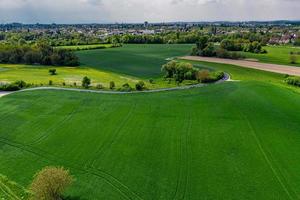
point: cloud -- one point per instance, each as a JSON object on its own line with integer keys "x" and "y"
{"x": 85, "y": 11}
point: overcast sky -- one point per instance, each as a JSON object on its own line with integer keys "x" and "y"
{"x": 107, "y": 11}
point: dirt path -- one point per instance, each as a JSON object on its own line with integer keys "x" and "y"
{"x": 4, "y": 93}
{"x": 226, "y": 78}
{"x": 281, "y": 69}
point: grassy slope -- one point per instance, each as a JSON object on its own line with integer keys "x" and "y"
{"x": 40, "y": 74}
{"x": 276, "y": 55}
{"x": 238, "y": 140}
{"x": 136, "y": 60}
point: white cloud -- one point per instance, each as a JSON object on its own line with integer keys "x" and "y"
{"x": 81, "y": 11}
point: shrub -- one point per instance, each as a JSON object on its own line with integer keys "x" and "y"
{"x": 99, "y": 86}
{"x": 21, "y": 84}
{"x": 151, "y": 81}
{"x": 50, "y": 82}
{"x": 140, "y": 86}
{"x": 293, "y": 80}
{"x": 202, "y": 76}
{"x": 112, "y": 85}
{"x": 52, "y": 72}
{"x": 125, "y": 88}
{"x": 50, "y": 183}
{"x": 64, "y": 83}
{"x": 293, "y": 59}
{"x": 86, "y": 82}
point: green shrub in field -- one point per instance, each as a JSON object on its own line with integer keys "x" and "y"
{"x": 18, "y": 85}
{"x": 52, "y": 72}
{"x": 140, "y": 86}
{"x": 293, "y": 80}
{"x": 112, "y": 85}
{"x": 86, "y": 82}
{"x": 125, "y": 88}
{"x": 99, "y": 86}
{"x": 205, "y": 76}
{"x": 50, "y": 82}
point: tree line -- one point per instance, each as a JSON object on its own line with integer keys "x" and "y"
{"x": 39, "y": 53}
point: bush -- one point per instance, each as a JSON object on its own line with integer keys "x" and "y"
{"x": 50, "y": 82}
{"x": 293, "y": 59}
{"x": 52, "y": 72}
{"x": 112, "y": 85}
{"x": 99, "y": 86}
{"x": 151, "y": 81}
{"x": 50, "y": 183}
{"x": 125, "y": 88}
{"x": 15, "y": 86}
{"x": 140, "y": 86}
{"x": 293, "y": 80}
{"x": 86, "y": 82}
{"x": 202, "y": 76}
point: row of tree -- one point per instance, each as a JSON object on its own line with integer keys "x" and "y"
{"x": 181, "y": 71}
{"x": 206, "y": 48}
{"x": 242, "y": 45}
{"x": 40, "y": 53}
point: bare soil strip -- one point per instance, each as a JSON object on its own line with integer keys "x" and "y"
{"x": 281, "y": 69}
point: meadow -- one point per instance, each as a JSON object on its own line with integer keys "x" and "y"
{"x": 237, "y": 140}
{"x": 276, "y": 55}
{"x": 143, "y": 61}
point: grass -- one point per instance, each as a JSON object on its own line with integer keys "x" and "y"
{"x": 69, "y": 75}
{"x": 10, "y": 190}
{"x": 143, "y": 61}
{"x": 237, "y": 140}
{"x": 39, "y": 75}
{"x": 230, "y": 141}
{"x": 276, "y": 55}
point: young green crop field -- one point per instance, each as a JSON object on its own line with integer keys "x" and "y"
{"x": 143, "y": 61}
{"x": 236, "y": 140}
{"x": 276, "y": 55}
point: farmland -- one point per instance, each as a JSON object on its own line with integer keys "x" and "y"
{"x": 142, "y": 61}
{"x": 276, "y": 55}
{"x": 238, "y": 137}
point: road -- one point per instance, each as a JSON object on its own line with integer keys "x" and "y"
{"x": 281, "y": 69}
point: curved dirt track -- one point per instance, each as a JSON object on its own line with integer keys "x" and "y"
{"x": 281, "y": 69}
{"x": 226, "y": 78}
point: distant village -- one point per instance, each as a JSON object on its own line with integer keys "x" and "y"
{"x": 283, "y": 32}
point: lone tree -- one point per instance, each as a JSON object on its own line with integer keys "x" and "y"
{"x": 50, "y": 183}
{"x": 86, "y": 82}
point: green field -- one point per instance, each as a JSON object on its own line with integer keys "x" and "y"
{"x": 143, "y": 61}
{"x": 237, "y": 140}
{"x": 69, "y": 75}
{"x": 275, "y": 55}
{"x": 127, "y": 64}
